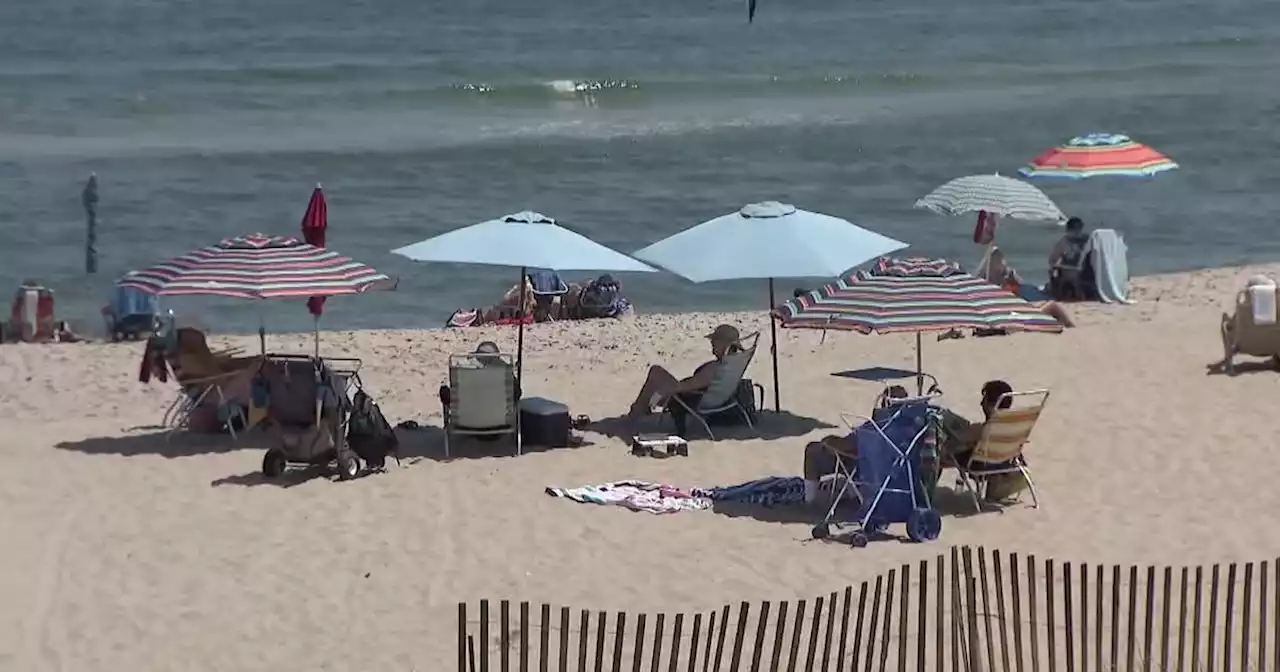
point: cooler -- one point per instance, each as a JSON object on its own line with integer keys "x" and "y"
{"x": 544, "y": 422}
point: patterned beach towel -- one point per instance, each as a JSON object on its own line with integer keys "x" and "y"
{"x": 635, "y": 495}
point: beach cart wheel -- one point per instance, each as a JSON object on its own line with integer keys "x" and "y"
{"x": 348, "y": 466}
{"x": 273, "y": 463}
{"x": 820, "y": 531}
{"x": 924, "y": 525}
{"x": 858, "y": 539}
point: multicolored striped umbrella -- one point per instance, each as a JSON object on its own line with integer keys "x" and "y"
{"x": 913, "y": 295}
{"x": 994, "y": 194}
{"x": 1097, "y": 154}
{"x": 257, "y": 266}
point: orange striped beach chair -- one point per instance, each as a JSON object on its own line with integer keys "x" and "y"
{"x": 1000, "y": 448}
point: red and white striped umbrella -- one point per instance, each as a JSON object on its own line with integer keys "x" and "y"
{"x": 315, "y": 223}
{"x": 258, "y": 266}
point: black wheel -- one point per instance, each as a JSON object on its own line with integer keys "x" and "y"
{"x": 858, "y": 539}
{"x": 273, "y": 464}
{"x": 924, "y": 525}
{"x": 348, "y": 466}
{"x": 820, "y": 531}
{"x": 683, "y": 450}
{"x": 376, "y": 462}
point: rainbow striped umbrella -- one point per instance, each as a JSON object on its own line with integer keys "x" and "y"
{"x": 913, "y": 295}
{"x": 1097, "y": 154}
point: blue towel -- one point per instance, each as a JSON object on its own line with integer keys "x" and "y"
{"x": 768, "y": 491}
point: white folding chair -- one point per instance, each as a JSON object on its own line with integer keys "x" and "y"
{"x": 481, "y": 398}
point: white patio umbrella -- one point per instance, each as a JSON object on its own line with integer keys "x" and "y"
{"x": 768, "y": 240}
{"x": 995, "y": 194}
{"x": 522, "y": 240}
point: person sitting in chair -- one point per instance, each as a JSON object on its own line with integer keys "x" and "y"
{"x": 959, "y": 439}
{"x": 660, "y": 385}
{"x": 1067, "y": 261}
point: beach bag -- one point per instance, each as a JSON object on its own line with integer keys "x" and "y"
{"x": 984, "y": 232}
{"x": 368, "y": 432}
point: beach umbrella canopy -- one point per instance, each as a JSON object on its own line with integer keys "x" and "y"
{"x": 1098, "y": 154}
{"x": 257, "y": 266}
{"x": 994, "y": 194}
{"x": 768, "y": 240}
{"x": 913, "y": 295}
{"x": 315, "y": 224}
{"x": 522, "y": 240}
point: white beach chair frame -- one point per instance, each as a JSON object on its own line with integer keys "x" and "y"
{"x": 722, "y": 394}
{"x": 191, "y": 395}
{"x": 985, "y": 461}
{"x": 482, "y": 398}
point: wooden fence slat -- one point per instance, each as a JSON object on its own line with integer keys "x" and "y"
{"x": 1246, "y": 620}
{"x": 484, "y": 635}
{"x": 796, "y": 628}
{"x": 584, "y": 627}
{"x": 1115, "y": 617}
{"x": 706, "y": 650}
{"x": 986, "y": 605}
{"x": 844, "y": 626}
{"x": 941, "y": 618}
{"x": 1001, "y": 616}
{"x": 1015, "y": 583}
{"x": 524, "y": 637}
{"x": 1262, "y": 615}
{"x": 677, "y": 631}
{"x": 564, "y": 639}
{"x": 888, "y": 621}
{"x": 720, "y": 635}
{"x": 956, "y": 618}
{"x": 779, "y": 634}
{"x": 1214, "y": 587}
{"x": 1031, "y": 613}
{"x": 693, "y": 643}
{"x": 504, "y": 623}
{"x": 875, "y": 618}
{"x": 619, "y": 637}
{"x": 1084, "y": 618}
{"x": 1165, "y": 599}
{"x": 1098, "y": 612}
{"x": 761, "y": 625}
{"x": 1195, "y": 625}
{"x": 1148, "y": 628}
{"x": 857, "y": 631}
{"x": 462, "y": 637}
{"x": 1275, "y": 639}
{"x": 1068, "y": 616}
{"x": 637, "y": 656}
{"x": 814, "y": 626}
{"x": 971, "y": 621}
{"x": 658, "y": 627}
{"x": 1182, "y": 622}
{"x": 602, "y": 620}
{"x": 920, "y": 618}
{"x": 904, "y": 609}
{"x": 744, "y": 609}
{"x": 1228, "y": 626}
{"x": 1050, "y": 609}
{"x": 544, "y": 642}
{"x": 1131, "y": 650}
{"x": 826, "y": 638}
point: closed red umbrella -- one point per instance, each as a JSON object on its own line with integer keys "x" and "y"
{"x": 315, "y": 222}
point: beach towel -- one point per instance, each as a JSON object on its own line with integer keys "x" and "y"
{"x": 770, "y": 491}
{"x": 1111, "y": 265}
{"x": 635, "y": 495}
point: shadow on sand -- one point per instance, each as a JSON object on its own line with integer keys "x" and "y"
{"x": 162, "y": 443}
{"x": 428, "y": 442}
{"x": 1271, "y": 364}
{"x": 769, "y": 425}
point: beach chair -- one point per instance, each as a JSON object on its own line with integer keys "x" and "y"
{"x": 1000, "y": 447}
{"x": 1253, "y": 329}
{"x": 130, "y": 314}
{"x": 482, "y": 399}
{"x": 213, "y": 387}
{"x": 722, "y": 402}
{"x": 1074, "y": 278}
{"x": 547, "y": 289}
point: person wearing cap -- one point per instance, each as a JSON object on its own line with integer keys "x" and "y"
{"x": 660, "y": 385}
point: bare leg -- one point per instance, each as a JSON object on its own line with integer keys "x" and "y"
{"x": 1057, "y": 312}
{"x": 658, "y": 382}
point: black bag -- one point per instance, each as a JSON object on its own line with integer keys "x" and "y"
{"x": 369, "y": 434}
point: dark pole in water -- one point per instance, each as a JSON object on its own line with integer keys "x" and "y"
{"x": 751, "y": 11}
{"x": 89, "y": 197}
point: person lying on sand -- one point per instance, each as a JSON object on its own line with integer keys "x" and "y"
{"x": 660, "y": 385}
{"x": 959, "y": 439}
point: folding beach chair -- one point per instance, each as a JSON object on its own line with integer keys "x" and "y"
{"x": 547, "y": 288}
{"x": 1000, "y": 447}
{"x": 204, "y": 379}
{"x": 1254, "y": 327}
{"x": 481, "y": 399}
{"x": 722, "y": 400}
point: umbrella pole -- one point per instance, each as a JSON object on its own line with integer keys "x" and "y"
{"x": 773, "y": 349}
{"x": 919, "y": 368}
{"x": 316, "y": 332}
{"x": 262, "y": 331}
{"x": 520, "y": 334}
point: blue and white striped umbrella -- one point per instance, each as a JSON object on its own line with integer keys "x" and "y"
{"x": 994, "y": 194}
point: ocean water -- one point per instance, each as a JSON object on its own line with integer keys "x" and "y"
{"x": 625, "y": 121}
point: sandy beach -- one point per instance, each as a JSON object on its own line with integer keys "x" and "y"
{"x": 126, "y": 551}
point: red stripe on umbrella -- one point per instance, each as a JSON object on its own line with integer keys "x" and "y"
{"x": 315, "y": 223}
